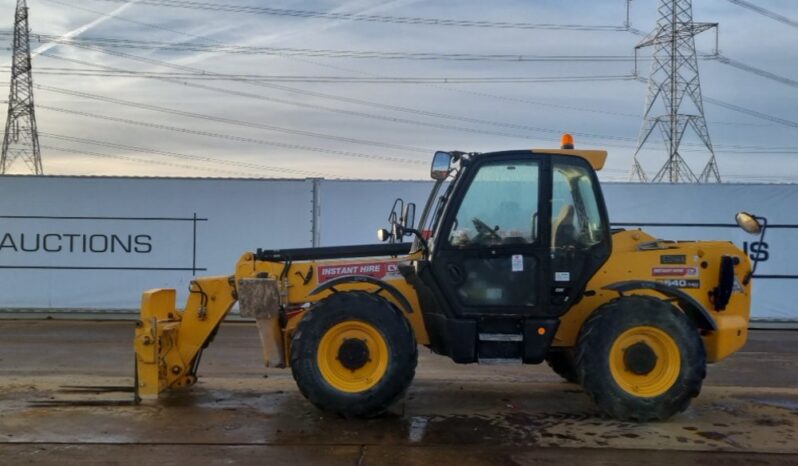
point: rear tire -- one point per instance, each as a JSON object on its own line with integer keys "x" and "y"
{"x": 353, "y": 354}
{"x": 640, "y": 359}
{"x": 563, "y": 362}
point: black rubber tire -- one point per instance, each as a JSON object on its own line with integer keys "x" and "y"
{"x": 398, "y": 335}
{"x": 593, "y": 367}
{"x": 563, "y": 362}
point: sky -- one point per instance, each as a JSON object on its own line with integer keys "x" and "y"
{"x": 385, "y": 130}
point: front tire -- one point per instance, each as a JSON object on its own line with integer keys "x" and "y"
{"x": 640, "y": 359}
{"x": 563, "y": 363}
{"x": 353, "y": 354}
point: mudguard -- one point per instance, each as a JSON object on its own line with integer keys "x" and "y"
{"x": 694, "y": 309}
{"x": 400, "y": 298}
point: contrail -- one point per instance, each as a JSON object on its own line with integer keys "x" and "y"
{"x": 82, "y": 29}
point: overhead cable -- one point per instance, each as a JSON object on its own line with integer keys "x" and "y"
{"x": 259, "y": 10}
{"x": 147, "y": 161}
{"x": 193, "y": 158}
{"x": 765, "y": 12}
{"x": 230, "y": 121}
{"x": 234, "y": 138}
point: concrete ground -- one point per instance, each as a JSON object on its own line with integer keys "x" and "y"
{"x": 240, "y": 413}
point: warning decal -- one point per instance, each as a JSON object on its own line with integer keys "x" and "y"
{"x": 381, "y": 270}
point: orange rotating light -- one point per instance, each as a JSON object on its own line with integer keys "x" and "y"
{"x": 567, "y": 141}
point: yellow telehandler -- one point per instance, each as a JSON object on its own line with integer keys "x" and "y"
{"x": 513, "y": 259}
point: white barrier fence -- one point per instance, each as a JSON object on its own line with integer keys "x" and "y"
{"x": 86, "y": 243}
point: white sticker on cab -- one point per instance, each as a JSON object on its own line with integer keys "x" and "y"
{"x": 518, "y": 263}
{"x": 562, "y": 276}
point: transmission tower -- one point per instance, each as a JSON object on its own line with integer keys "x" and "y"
{"x": 674, "y": 101}
{"x": 21, "y": 139}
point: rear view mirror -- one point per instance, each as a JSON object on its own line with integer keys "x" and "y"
{"x": 756, "y": 226}
{"x": 749, "y": 223}
{"x": 441, "y": 165}
{"x": 409, "y": 216}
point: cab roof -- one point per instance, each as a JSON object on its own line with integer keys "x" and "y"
{"x": 596, "y": 158}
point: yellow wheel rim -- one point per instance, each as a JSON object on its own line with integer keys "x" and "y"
{"x": 349, "y": 373}
{"x": 656, "y": 376}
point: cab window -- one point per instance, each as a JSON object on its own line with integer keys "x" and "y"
{"x": 576, "y": 220}
{"x": 500, "y": 206}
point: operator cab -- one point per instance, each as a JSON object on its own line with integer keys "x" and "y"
{"x": 511, "y": 244}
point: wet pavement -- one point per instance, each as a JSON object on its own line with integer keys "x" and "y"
{"x": 240, "y": 413}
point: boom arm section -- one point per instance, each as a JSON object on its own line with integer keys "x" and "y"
{"x": 169, "y": 342}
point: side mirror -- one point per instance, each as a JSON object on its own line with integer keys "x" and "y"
{"x": 441, "y": 165}
{"x": 383, "y": 235}
{"x": 749, "y": 223}
{"x": 409, "y": 216}
{"x": 756, "y": 226}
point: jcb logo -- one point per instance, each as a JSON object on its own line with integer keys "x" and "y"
{"x": 757, "y": 250}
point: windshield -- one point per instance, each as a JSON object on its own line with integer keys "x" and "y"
{"x": 499, "y": 207}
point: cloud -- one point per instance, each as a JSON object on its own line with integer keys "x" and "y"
{"x": 610, "y": 111}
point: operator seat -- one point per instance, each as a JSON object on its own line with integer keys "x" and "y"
{"x": 563, "y": 231}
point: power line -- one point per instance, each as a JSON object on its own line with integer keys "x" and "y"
{"x": 229, "y": 121}
{"x": 330, "y": 53}
{"x": 120, "y": 18}
{"x": 383, "y": 117}
{"x": 513, "y": 99}
{"x": 147, "y": 161}
{"x": 739, "y": 65}
{"x": 330, "y": 79}
{"x": 744, "y": 110}
{"x": 194, "y": 158}
{"x": 463, "y": 91}
{"x": 768, "y": 178}
{"x": 294, "y": 90}
{"x": 762, "y": 11}
{"x": 234, "y": 138}
{"x": 231, "y": 8}
{"x": 733, "y": 107}
{"x": 757, "y": 71}
{"x": 359, "y": 114}
{"x": 258, "y": 125}
{"x": 450, "y": 89}
{"x": 729, "y": 106}
{"x": 219, "y": 47}
{"x": 750, "y": 112}
{"x": 373, "y": 116}
{"x": 369, "y": 103}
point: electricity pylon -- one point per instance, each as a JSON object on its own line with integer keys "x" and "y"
{"x": 674, "y": 85}
{"x": 21, "y": 138}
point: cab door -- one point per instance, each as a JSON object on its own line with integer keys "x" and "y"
{"x": 522, "y": 236}
{"x": 491, "y": 248}
{"x": 580, "y": 240}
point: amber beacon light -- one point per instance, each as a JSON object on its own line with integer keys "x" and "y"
{"x": 567, "y": 141}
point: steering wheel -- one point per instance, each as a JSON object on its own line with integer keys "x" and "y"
{"x": 483, "y": 230}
